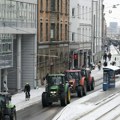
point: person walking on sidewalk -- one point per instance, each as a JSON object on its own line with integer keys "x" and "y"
{"x": 109, "y": 56}
{"x": 99, "y": 65}
{"x": 27, "y": 91}
{"x": 5, "y": 88}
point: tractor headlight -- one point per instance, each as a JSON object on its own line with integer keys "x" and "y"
{"x": 53, "y": 92}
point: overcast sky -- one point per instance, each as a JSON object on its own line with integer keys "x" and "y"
{"x": 112, "y": 14}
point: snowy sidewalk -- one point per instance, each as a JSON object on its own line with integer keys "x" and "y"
{"x": 19, "y": 98}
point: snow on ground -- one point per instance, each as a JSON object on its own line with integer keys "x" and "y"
{"x": 19, "y": 98}
{"x": 73, "y": 110}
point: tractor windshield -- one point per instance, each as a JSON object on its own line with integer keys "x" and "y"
{"x": 72, "y": 75}
{"x": 2, "y": 99}
{"x": 55, "y": 80}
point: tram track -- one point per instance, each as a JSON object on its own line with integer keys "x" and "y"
{"x": 100, "y": 104}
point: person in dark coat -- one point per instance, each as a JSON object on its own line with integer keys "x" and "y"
{"x": 105, "y": 56}
{"x": 105, "y": 64}
{"x": 109, "y": 56}
{"x": 27, "y": 90}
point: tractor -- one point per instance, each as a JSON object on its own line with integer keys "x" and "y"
{"x": 57, "y": 89}
{"x": 7, "y": 110}
{"x": 77, "y": 83}
{"x": 86, "y": 72}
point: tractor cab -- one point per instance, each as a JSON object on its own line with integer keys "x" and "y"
{"x": 4, "y": 98}
{"x": 55, "y": 80}
{"x": 7, "y": 110}
{"x": 86, "y": 72}
{"x": 76, "y": 81}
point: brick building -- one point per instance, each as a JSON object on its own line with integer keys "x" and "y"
{"x": 53, "y": 41}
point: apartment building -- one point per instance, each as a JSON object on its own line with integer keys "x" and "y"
{"x": 53, "y": 26}
{"x": 80, "y": 32}
{"x": 86, "y": 21}
{"x": 18, "y": 43}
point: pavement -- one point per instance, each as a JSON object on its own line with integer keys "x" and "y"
{"x": 19, "y": 98}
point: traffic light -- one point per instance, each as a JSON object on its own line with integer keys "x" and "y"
{"x": 75, "y": 60}
{"x": 75, "y": 56}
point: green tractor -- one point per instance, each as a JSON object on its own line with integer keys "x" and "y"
{"x": 57, "y": 89}
{"x": 7, "y": 110}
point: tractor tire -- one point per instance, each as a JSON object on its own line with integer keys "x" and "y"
{"x": 79, "y": 91}
{"x": 85, "y": 89}
{"x": 63, "y": 99}
{"x": 89, "y": 87}
{"x": 6, "y": 117}
{"x": 45, "y": 99}
{"x": 93, "y": 84}
{"x": 14, "y": 116}
{"x": 68, "y": 96}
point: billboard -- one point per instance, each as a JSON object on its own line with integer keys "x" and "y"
{"x": 6, "y": 50}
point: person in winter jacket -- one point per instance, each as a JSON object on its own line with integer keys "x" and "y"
{"x": 27, "y": 90}
{"x": 5, "y": 88}
{"x": 109, "y": 56}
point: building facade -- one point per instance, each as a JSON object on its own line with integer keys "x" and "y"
{"x": 18, "y": 43}
{"x": 97, "y": 27}
{"x": 53, "y": 26}
{"x": 80, "y": 32}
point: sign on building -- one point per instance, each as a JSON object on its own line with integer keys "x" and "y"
{"x": 6, "y": 50}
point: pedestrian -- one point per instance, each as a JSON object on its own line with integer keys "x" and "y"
{"x": 27, "y": 91}
{"x": 113, "y": 63}
{"x": 105, "y": 64}
{"x": 105, "y": 56}
{"x": 5, "y": 88}
{"x": 99, "y": 65}
{"x": 109, "y": 56}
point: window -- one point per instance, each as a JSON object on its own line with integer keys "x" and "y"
{"x": 66, "y": 32}
{"x": 58, "y": 31}
{"x": 61, "y": 31}
{"x": 41, "y": 5}
{"x": 61, "y": 6}
{"x": 86, "y": 13}
{"x": 46, "y": 5}
{"x": 78, "y": 7}
{"x": 46, "y": 31}
{"x": 52, "y": 32}
{"x": 82, "y": 12}
{"x": 66, "y": 6}
{"x": 52, "y": 5}
{"x": 58, "y": 5}
{"x": 73, "y": 36}
{"x": 41, "y": 32}
{"x": 73, "y": 11}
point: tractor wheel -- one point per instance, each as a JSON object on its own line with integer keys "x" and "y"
{"x": 79, "y": 91}
{"x": 89, "y": 87}
{"x": 6, "y": 117}
{"x": 84, "y": 89}
{"x": 93, "y": 84}
{"x": 13, "y": 116}
{"x": 68, "y": 96}
{"x": 63, "y": 99}
{"x": 44, "y": 99}
{"x": 50, "y": 103}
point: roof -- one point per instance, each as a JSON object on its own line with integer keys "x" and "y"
{"x": 56, "y": 75}
{"x": 72, "y": 70}
{"x": 111, "y": 67}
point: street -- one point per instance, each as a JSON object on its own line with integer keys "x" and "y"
{"x": 80, "y": 108}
